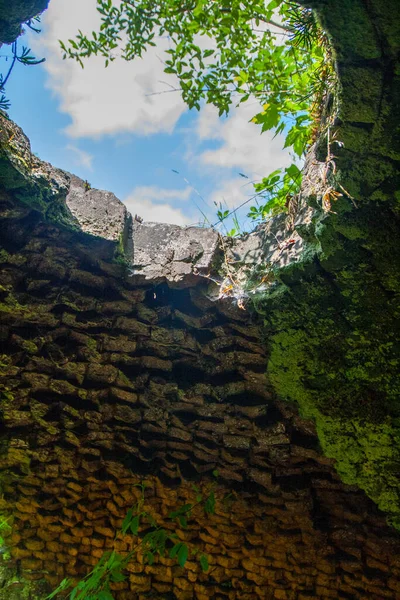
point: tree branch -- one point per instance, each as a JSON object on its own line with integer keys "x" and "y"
{"x": 14, "y": 51}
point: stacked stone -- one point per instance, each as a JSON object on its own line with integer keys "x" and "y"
{"x": 107, "y": 384}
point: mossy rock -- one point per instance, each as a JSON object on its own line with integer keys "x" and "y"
{"x": 333, "y": 341}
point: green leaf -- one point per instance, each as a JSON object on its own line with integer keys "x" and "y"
{"x": 299, "y": 145}
{"x": 270, "y": 117}
{"x": 181, "y": 511}
{"x": 135, "y": 525}
{"x": 183, "y": 554}
{"x": 114, "y": 561}
{"x": 127, "y": 521}
{"x": 65, "y": 583}
{"x": 209, "y": 505}
{"x": 288, "y": 76}
{"x": 74, "y": 593}
{"x": 104, "y": 595}
{"x": 183, "y": 522}
{"x": 117, "y": 576}
{"x": 293, "y": 171}
{"x": 204, "y": 563}
{"x": 199, "y": 8}
{"x": 175, "y": 549}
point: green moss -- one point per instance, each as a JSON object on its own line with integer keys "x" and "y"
{"x": 351, "y": 396}
{"x": 30, "y": 347}
{"x": 334, "y": 351}
{"x": 11, "y": 304}
{"x": 123, "y": 380}
{"x": 120, "y": 256}
{"x": 367, "y": 454}
{"x": 5, "y": 531}
{"x": 14, "y": 587}
{"x": 58, "y": 213}
{"x": 5, "y": 363}
{"x": 92, "y": 344}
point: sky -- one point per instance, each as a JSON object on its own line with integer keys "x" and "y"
{"x": 122, "y": 130}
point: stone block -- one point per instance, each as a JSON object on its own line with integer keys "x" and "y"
{"x": 97, "y": 212}
{"x": 31, "y": 564}
{"x": 175, "y": 254}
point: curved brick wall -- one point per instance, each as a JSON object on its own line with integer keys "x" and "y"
{"x": 108, "y": 380}
{"x": 109, "y": 384}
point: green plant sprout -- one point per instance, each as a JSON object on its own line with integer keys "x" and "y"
{"x": 152, "y": 540}
{"x": 5, "y": 530}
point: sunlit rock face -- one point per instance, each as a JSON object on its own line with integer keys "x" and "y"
{"x": 120, "y": 366}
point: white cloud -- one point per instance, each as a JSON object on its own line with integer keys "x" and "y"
{"x": 243, "y": 147}
{"x": 156, "y": 193}
{"x": 83, "y": 158}
{"x": 149, "y": 203}
{"x": 116, "y": 100}
{"x": 232, "y": 192}
{"x": 105, "y": 101}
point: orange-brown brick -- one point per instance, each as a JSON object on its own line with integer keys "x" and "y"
{"x": 32, "y": 564}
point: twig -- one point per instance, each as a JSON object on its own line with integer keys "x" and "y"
{"x": 348, "y": 194}
{"x": 14, "y": 51}
{"x": 230, "y": 276}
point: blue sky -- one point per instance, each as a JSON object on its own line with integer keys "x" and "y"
{"x": 117, "y": 128}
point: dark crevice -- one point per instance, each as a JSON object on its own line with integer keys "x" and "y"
{"x": 304, "y": 440}
{"x": 74, "y": 401}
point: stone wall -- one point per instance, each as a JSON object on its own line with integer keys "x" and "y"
{"x": 332, "y": 304}
{"x": 108, "y": 383}
{"x": 119, "y": 367}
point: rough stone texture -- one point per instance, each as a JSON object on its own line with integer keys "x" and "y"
{"x": 98, "y": 212}
{"x": 106, "y": 384}
{"x": 35, "y": 183}
{"x": 168, "y": 252}
{"x": 251, "y": 261}
{"x": 109, "y": 380}
{"x": 15, "y": 12}
{"x": 272, "y": 243}
{"x": 331, "y": 312}
{"x": 179, "y": 255}
{"x": 60, "y": 197}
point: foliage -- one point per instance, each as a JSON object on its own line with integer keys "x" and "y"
{"x": 8, "y": 396}
{"x": 152, "y": 540}
{"x": 5, "y": 530}
{"x": 22, "y": 56}
{"x": 229, "y": 52}
{"x": 222, "y": 215}
{"x": 334, "y": 353}
{"x": 277, "y": 189}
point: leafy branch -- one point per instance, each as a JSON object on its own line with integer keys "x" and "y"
{"x": 228, "y": 52}
{"x": 152, "y": 540}
{"x": 22, "y": 56}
